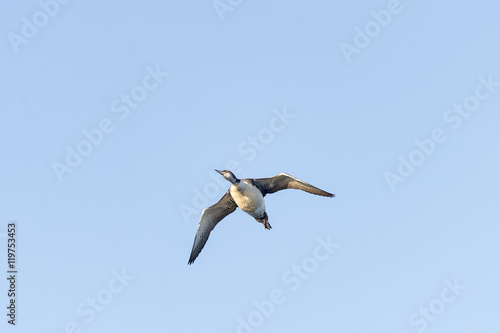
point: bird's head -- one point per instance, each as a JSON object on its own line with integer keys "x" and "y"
{"x": 228, "y": 175}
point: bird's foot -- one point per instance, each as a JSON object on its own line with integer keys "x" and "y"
{"x": 263, "y": 219}
{"x": 267, "y": 225}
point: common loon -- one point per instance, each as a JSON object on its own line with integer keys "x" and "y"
{"x": 248, "y": 195}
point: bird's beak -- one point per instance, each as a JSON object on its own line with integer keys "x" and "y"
{"x": 218, "y": 171}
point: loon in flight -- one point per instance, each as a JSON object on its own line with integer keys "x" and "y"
{"x": 248, "y": 195}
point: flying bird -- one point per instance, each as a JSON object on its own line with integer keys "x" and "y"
{"x": 248, "y": 195}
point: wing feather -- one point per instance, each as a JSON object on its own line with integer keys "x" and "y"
{"x": 284, "y": 181}
{"x": 208, "y": 220}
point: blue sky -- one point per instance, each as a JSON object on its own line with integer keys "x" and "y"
{"x": 116, "y": 114}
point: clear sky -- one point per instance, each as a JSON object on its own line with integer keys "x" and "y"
{"x": 115, "y": 115}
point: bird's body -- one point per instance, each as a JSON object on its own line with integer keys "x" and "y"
{"x": 248, "y": 195}
{"x": 248, "y": 198}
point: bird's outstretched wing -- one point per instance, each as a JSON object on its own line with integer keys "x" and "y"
{"x": 209, "y": 219}
{"x": 284, "y": 181}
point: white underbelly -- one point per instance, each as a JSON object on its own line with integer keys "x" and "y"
{"x": 249, "y": 199}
